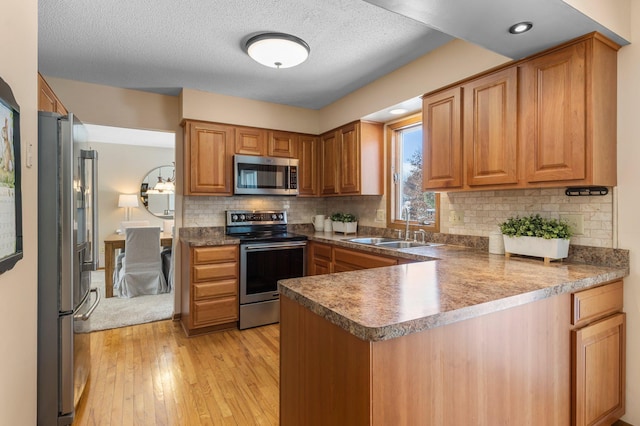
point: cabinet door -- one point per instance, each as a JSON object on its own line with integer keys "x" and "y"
{"x": 490, "y": 128}
{"x": 599, "y": 372}
{"x": 328, "y": 163}
{"x": 553, "y": 115}
{"x": 442, "y": 139}
{"x": 208, "y": 158}
{"x": 308, "y": 168}
{"x": 319, "y": 259}
{"x": 250, "y": 141}
{"x": 349, "y": 172}
{"x": 283, "y": 144}
{"x": 47, "y": 99}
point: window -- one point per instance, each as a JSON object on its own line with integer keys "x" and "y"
{"x": 405, "y": 178}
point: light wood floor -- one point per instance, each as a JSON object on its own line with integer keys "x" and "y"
{"x": 152, "y": 374}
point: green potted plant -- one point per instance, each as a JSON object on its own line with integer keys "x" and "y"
{"x": 536, "y": 236}
{"x": 344, "y": 222}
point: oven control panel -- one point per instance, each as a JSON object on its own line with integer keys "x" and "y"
{"x": 256, "y": 217}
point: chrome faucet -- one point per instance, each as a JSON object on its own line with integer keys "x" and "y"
{"x": 406, "y": 208}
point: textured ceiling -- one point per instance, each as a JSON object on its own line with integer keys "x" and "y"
{"x": 163, "y": 46}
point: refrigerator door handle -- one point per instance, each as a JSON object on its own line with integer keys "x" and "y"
{"x": 92, "y": 156}
{"x": 93, "y": 307}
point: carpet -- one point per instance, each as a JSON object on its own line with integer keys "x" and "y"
{"x": 116, "y": 312}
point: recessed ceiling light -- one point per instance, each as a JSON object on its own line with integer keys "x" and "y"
{"x": 397, "y": 111}
{"x": 277, "y": 50}
{"x": 520, "y": 27}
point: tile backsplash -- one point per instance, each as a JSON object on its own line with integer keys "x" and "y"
{"x": 482, "y": 210}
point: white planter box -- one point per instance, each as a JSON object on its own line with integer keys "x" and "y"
{"x": 556, "y": 248}
{"x": 345, "y": 227}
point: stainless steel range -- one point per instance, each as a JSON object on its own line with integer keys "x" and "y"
{"x": 268, "y": 253}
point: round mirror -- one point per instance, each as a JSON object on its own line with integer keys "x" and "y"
{"x": 157, "y": 191}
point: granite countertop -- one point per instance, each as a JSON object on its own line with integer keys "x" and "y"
{"x": 447, "y": 284}
{"x": 206, "y": 236}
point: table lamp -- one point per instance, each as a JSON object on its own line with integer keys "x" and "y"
{"x": 127, "y": 201}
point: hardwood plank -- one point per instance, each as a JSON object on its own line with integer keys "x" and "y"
{"x": 152, "y": 374}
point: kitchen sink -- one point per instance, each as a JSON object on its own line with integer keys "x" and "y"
{"x": 389, "y": 243}
{"x": 372, "y": 241}
{"x": 400, "y": 244}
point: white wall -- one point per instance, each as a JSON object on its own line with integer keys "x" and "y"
{"x": 121, "y": 169}
{"x": 629, "y": 202}
{"x": 116, "y": 107}
{"x": 18, "y": 287}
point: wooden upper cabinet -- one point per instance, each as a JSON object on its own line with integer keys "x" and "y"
{"x": 208, "y": 158}
{"x": 490, "y": 128}
{"x": 442, "y": 139}
{"x": 328, "y": 163}
{"x": 47, "y": 100}
{"x": 568, "y": 114}
{"x": 282, "y": 144}
{"x": 250, "y": 141}
{"x": 349, "y": 159}
{"x": 307, "y": 165}
{"x": 543, "y": 121}
{"x": 553, "y": 111}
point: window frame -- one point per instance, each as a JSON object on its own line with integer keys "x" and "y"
{"x": 392, "y": 130}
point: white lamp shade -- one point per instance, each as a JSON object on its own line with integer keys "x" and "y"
{"x": 277, "y": 50}
{"x": 128, "y": 200}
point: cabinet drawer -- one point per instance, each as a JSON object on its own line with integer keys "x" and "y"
{"x": 359, "y": 260}
{"x": 216, "y": 311}
{"x": 590, "y": 305}
{"x": 215, "y": 289}
{"x": 217, "y": 271}
{"x": 214, "y": 254}
{"x": 322, "y": 251}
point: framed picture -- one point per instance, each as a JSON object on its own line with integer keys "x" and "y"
{"x": 10, "y": 180}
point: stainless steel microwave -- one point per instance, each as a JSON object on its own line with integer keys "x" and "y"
{"x": 265, "y": 175}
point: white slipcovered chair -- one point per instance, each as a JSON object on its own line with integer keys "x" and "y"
{"x": 132, "y": 223}
{"x": 140, "y": 269}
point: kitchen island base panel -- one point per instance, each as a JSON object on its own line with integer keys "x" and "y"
{"x": 324, "y": 371}
{"x": 508, "y": 367}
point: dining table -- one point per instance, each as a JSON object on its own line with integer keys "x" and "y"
{"x": 117, "y": 241}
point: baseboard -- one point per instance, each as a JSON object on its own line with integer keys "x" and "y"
{"x": 176, "y": 317}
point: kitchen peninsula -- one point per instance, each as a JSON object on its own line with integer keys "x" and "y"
{"x": 466, "y": 338}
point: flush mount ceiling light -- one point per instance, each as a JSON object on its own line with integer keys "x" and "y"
{"x": 277, "y": 50}
{"x": 520, "y": 27}
{"x": 397, "y": 111}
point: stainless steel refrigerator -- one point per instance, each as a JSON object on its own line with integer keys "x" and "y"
{"x": 67, "y": 253}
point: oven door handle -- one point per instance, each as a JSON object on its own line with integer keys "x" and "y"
{"x": 283, "y": 246}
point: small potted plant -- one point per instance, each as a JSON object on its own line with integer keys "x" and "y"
{"x": 344, "y": 222}
{"x": 536, "y": 236}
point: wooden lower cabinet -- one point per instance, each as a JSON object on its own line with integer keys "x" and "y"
{"x": 352, "y": 260}
{"x": 209, "y": 288}
{"x": 598, "y": 356}
{"x": 319, "y": 259}
{"x": 327, "y": 258}
{"x": 510, "y": 367}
